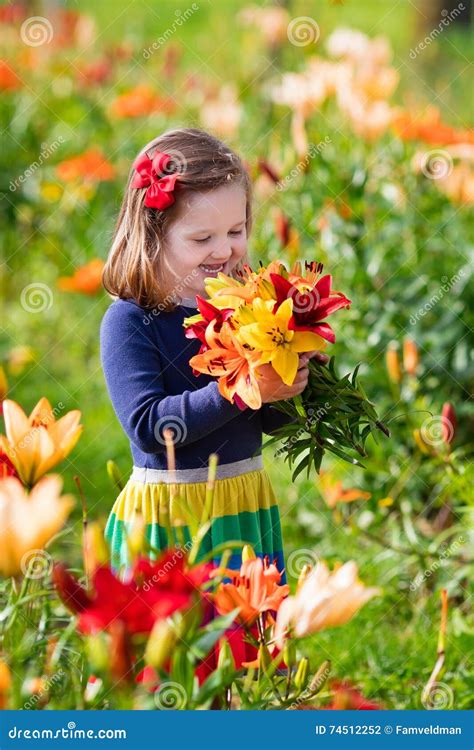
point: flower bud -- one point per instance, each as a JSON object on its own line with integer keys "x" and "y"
{"x": 301, "y": 676}
{"x": 114, "y": 475}
{"x": 264, "y": 658}
{"x": 393, "y": 363}
{"x": 289, "y": 653}
{"x": 95, "y": 549}
{"x": 421, "y": 442}
{"x": 98, "y": 652}
{"x": 410, "y": 356}
{"x": 248, "y": 553}
{"x": 225, "y": 660}
{"x": 449, "y": 423}
{"x": 3, "y": 387}
{"x": 5, "y": 684}
{"x": 160, "y": 644}
{"x": 136, "y": 536}
{"x": 305, "y": 571}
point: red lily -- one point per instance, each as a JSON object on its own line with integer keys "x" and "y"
{"x": 209, "y": 313}
{"x": 155, "y": 591}
{"x": 310, "y": 306}
{"x": 347, "y": 697}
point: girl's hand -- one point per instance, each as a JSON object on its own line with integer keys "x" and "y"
{"x": 322, "y": 358}
{"x": 271, "y": 386}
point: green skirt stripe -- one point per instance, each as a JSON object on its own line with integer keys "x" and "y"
{"x": 261, "y": 529}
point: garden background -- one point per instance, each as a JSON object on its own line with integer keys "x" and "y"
{"x": 375, "y": 179}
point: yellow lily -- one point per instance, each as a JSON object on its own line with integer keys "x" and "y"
{"x": 234, "y": 292}
{"x": 271, "y": 335}
{"x": 29, "y": 521}
{"x": 36, "y": 443}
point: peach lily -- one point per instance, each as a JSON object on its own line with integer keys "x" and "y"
{"x": 255, "y": 589}
{"x": 29, "y": 521}
{"x": 324, "y": 599}
{"x": 36, "y": 443}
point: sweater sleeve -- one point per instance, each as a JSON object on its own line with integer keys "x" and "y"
{"x": 273, "y": 418}
{"x": 133, "y": 373}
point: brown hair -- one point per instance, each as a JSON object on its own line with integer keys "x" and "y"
{"x": 134, "y": 266}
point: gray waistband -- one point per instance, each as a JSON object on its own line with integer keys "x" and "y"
{"x": 186, "y": 476}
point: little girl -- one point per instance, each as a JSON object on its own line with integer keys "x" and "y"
{"x": 186, "y": 215}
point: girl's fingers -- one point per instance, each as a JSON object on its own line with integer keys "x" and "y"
{"x": 321, "y": 357}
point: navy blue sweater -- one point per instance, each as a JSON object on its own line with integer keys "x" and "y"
{"x": 145, "y": 359}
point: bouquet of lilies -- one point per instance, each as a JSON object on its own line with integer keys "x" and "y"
{"x": 272, "y": 316}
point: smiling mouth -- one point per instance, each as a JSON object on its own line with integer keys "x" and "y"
{"x": 212, "y": 269}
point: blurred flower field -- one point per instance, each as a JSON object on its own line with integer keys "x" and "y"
{"x": 361, "y": 150}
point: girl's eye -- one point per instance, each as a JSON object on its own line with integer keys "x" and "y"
{"x": 205, "y": 239}
{"x": 236, "y": 232}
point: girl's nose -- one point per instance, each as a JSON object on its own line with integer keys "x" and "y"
{"x": 223, "y": 253}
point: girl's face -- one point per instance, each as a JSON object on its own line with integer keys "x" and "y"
{"x": 208, "y": 236}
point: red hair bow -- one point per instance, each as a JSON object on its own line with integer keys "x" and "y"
{"x": 150, "y": 174}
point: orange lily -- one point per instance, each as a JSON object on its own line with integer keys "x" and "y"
{"x": 333, "y": 492}
{"x": 87, "y": 279}
{"x": 36, "y": 443}
{"x": 91, "y": 166}
{"x": 234, "y": 365}
{"x": 255, "y": 589}
{"x": 139, "y": 102}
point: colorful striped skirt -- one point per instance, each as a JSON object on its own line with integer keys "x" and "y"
{"x": 243, "y": 508}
